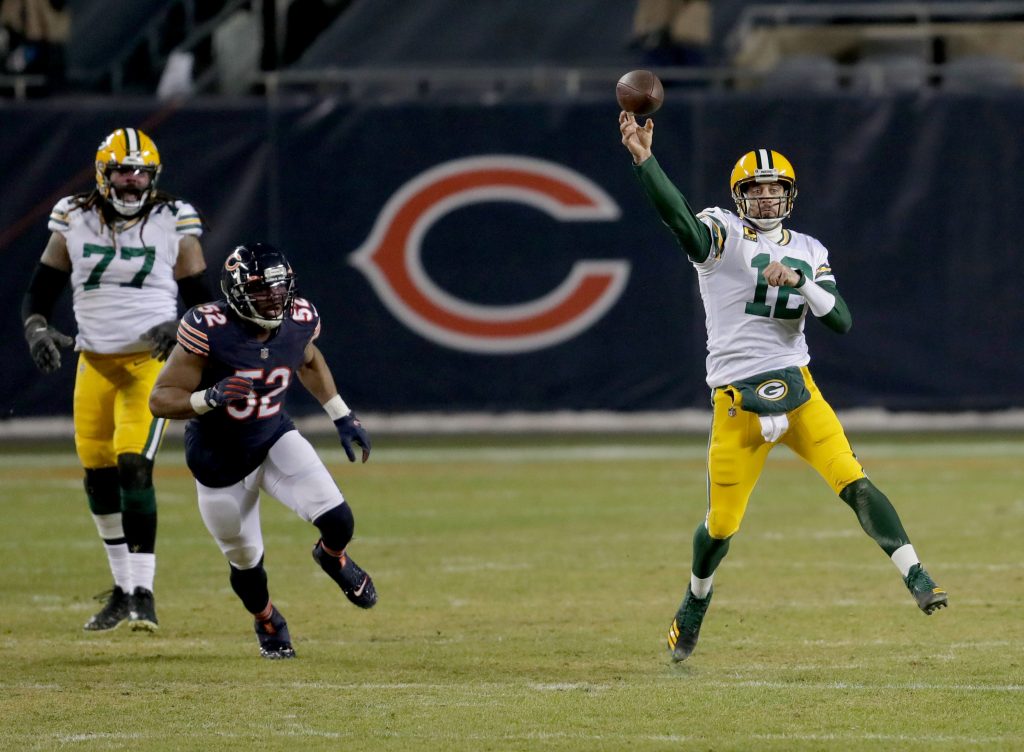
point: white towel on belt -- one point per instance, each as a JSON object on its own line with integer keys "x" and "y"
{"x": 773, "y": 426}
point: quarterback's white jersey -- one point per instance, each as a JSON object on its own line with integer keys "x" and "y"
{"x": 753, "y": 327}
{"x": 122, "y": 277}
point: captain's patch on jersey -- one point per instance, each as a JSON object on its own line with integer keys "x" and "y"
{"x": 749, "y": 234}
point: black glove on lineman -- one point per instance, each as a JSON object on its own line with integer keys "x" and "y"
{"x": 163, "y": 338}
{"x": 351, "y": 430}
{"x": 227, "y": 390}
{"x": 44, "y": 342}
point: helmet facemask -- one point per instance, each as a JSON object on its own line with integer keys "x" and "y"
{"x": 130, "y": 196}
{"x": 763, "y": 167}
{"x": 123, "y": 159}
{"x": 765, "y": 211}
{"x": 259, "y": 285}
{"x": 265, "y": 303}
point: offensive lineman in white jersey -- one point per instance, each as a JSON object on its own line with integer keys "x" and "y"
{"x": 128, "y": 250}
{"x": 758, "y": 280}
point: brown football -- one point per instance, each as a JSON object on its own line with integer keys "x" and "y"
{"x": 640, "y": 92}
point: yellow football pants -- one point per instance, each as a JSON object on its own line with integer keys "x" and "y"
{"x": 737, "y": 452}
{"x": 111, "y": 408}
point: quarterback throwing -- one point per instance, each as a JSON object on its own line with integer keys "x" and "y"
{"x": 758, "y": 281}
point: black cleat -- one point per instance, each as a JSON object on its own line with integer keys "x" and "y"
{"x": 275, "y": 642}
{"x": 353, "y": 581}
{"x": 929, "y": 596}
{"x": 685, "y": 629}
{"x": 143, "y": 613}
{"x": 116, "y": 610}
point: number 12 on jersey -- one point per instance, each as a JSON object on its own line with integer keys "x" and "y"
{"x": 759, "y": 305}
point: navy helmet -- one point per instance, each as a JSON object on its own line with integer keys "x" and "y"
{"x": 259, "y": 284}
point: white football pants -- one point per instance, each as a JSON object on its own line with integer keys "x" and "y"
{"x": 292, "y": 472}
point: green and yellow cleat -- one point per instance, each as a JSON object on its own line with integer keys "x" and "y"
{"x": 929, "y": 596}
{"x": 685, "y": 629}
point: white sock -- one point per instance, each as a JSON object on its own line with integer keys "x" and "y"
{"x": 904, "y": 558}
{"x": 112, "y": 533}
{"x": 143, "y": 570}
{"x": 700, "y": 587}
{"x": 120, "y": 567}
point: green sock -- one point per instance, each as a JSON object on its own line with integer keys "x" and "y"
{"x": 876, "y": 514}
{"x": 708, "y": 552}
{"x": 139, "y": 518}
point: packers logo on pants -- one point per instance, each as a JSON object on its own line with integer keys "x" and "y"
{"x": 737, "y": 450}
{"x": 772, "y": 390}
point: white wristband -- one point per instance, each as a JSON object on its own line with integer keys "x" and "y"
{"x": 198, "y": 402}
{"x": 336, "y": 407}
{"x": 819, "y": 300}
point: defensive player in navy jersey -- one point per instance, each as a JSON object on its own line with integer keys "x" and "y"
{"x": 237, "y": 359}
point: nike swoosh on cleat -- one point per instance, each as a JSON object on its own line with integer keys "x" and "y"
{"x": 359, "y": 591}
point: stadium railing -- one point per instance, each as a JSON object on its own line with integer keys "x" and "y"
{"x": 19, "y": 86}
{"x": 490, "y": 86}
{"x": 937, "y": 31}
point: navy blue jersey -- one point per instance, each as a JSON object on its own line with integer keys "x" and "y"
{"x": 226, "y": 444}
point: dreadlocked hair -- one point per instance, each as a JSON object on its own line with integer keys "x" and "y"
{"x": 93, "y": 199}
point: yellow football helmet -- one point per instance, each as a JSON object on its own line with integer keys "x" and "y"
{"x": 126, "y": 149}
{"x": 763, "y": 166}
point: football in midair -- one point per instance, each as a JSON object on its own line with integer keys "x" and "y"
{"x": 640, "y": 92}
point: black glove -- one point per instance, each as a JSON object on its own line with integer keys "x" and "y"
{"x": 227, "y": 390}
{"x": 163, "y": 338}
{"x": 44, "y": 342}
{"x": 349, "y": 430}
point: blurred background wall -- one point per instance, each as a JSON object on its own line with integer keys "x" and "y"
{"x": 448, "y": 181}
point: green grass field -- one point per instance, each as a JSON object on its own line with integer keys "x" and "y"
{"x": 525, "y": 592}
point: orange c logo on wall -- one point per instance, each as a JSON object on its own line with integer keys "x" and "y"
{"x": 391, "y": 257}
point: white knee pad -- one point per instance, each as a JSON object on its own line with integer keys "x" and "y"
{"x": 222, "y": 516}
{"x": 231, "y": 515}
{"x": 243, "y": 557}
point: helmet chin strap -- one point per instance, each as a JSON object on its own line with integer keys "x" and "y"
{"x": 769, "y": 223}
{"x": 268, "y": 324}
{"x": 771, "y": 229}
{"x": 125, "y": 208}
